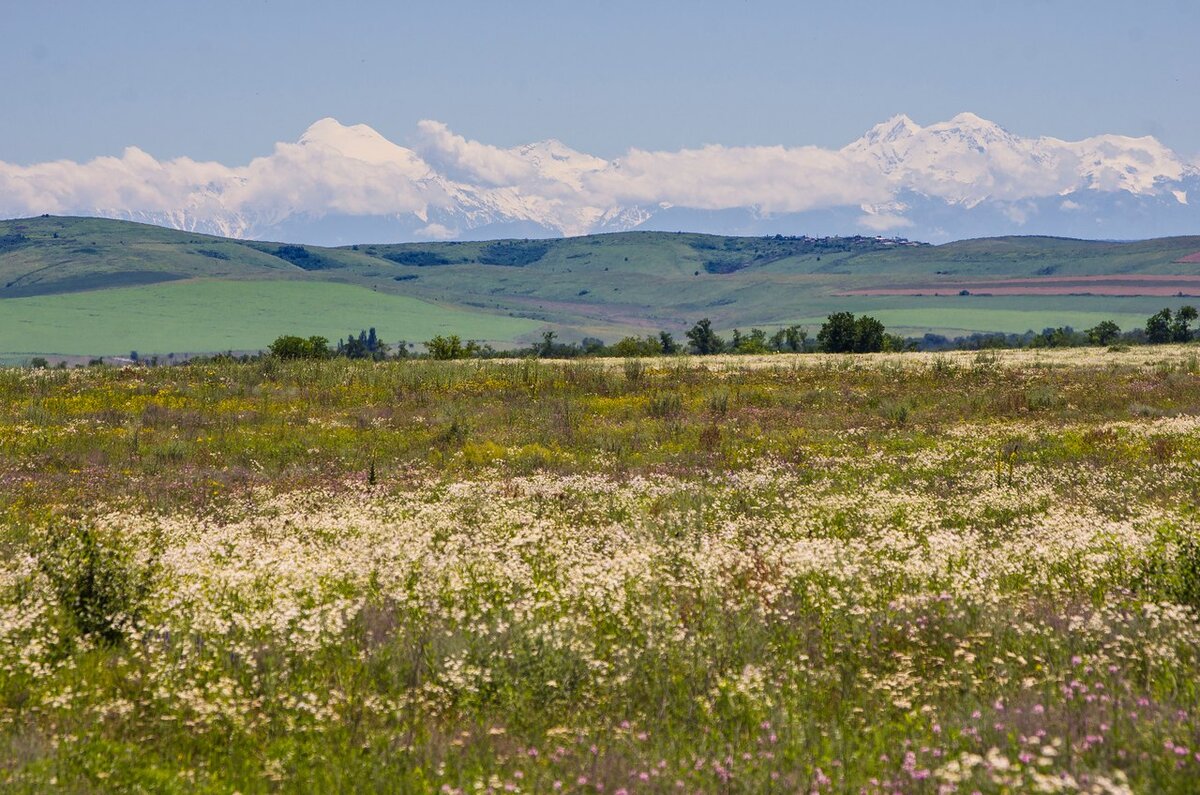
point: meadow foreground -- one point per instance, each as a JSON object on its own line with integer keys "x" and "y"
{"x": 912, "y": 573}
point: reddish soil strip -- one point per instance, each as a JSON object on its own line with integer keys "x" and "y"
{"x": 1148, "y": 284}
{"x": 1190, "y": 258}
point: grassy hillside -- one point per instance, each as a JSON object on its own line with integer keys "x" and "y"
{"x": 599, "y": 285}
{"x": 43, "y": 256}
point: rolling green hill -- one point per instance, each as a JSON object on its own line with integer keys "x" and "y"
{"x": 88, "y": 286}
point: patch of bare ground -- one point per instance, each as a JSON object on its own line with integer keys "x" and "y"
{"x": 1133, "y": 285}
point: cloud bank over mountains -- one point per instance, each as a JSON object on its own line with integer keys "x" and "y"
{"x": 339, "y": 184}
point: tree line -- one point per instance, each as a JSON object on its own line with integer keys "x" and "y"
{"x": 842, "y": 332}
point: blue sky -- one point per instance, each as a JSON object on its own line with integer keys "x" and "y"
{"x": 225, "y": 80}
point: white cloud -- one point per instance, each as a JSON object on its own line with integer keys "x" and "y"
{"x": 460, "y": 158}
{"x": 436, "y": 232}
{"x": 133, "y": 180}
{"x": 773, "y": 179}
{"x": 320, "y": 180}
{"x": 451, "y": 184}
{"x": 1018, "y": 213}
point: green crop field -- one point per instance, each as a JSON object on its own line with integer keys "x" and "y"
{"x": 914, "y": 573}
{"x": 191, "y": 316}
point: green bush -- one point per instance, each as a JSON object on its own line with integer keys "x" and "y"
{"x": 1171, "y": 567}
{"x": 292, "y": 347}
{"x": 98, "y": 582}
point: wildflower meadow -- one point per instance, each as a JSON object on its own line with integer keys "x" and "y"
{"x": 908, "y": 573}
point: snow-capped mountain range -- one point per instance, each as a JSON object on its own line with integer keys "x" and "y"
{"x": 339, "y": 184}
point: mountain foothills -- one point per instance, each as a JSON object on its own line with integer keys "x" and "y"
{"x": 90, "y": 286}
{"x": 340, "y": 184}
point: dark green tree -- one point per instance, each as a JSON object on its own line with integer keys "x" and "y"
{"x": 1103, "y": 333}
{"x": 354, "y": 347}
{"x": 868, "y": 335}
{"x": 668, "y": 344}
{"x": 778, "y": 340}
{"x": 788, "y": 340}
{"x": 547, "y": 347}
{"x": 703, "y": 340}
{"x": 753, "y": 343}
{"x": 794, "y": 338}
{"x": 838, "y": 334}
{"x": 1180, "y": 330}
{"x": 1158, "y": 327}
{"x": 843, "y": 333}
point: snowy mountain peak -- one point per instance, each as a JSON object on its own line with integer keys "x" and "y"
{"x": 973, "y": 132}
{"x": 358, "y": 142}
{"x": 555, "y": 160}
{"x": 968, "y": 119}
{"x": 894, "y": 129}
